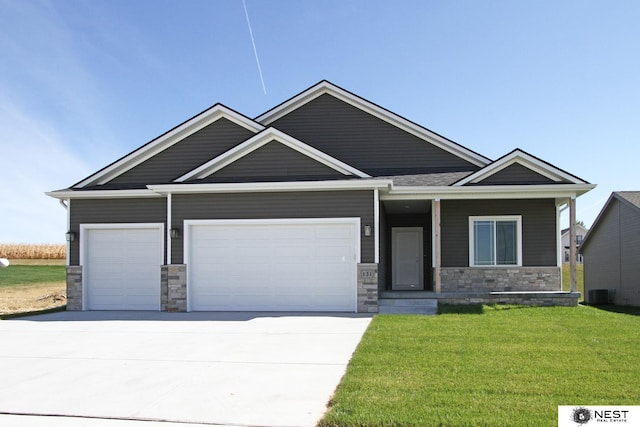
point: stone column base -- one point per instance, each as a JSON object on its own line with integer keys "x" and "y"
{"x": 367, "y": 288}
{"x": 173, "y": 287}
{"x": 74, "y": 288}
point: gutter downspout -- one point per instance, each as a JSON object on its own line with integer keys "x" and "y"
{"x": 65, "y": 203}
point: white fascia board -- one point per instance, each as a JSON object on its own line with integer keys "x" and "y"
{"x": 376, "y": 111}
{"x": 101, "y": 194}
{"x": 487, "y": 192}
{"x": 170, "y": 138}
{"x": 271, "y": 186}
{"x": 525, "y": 160}
{"x": 268, "y": 135}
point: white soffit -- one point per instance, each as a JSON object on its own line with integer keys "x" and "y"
{"x": 261, "y": 139}
{"x": 326, "y": 87}
{"x": 102, "y": 194}
{"x": 526, "y": 160}
{"x": 168, "y": 139}
{"x": 487, "y": 192}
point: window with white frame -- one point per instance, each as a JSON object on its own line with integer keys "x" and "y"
{"x": 495, "y": 241}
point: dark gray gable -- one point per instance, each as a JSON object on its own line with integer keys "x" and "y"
{"x": 517, "y": 174}
{"x": 185, "y": 155}
{"x": 273, "y": 162}
{"x": 365, "y": 141}
{"x": 519, "y": 168}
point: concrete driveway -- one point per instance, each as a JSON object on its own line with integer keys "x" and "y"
{"x": 251, "y": 369}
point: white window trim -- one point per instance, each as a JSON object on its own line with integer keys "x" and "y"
{"x": 517, "y": 218}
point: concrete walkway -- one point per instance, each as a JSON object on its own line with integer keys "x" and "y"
{"x": 241, "y": 369}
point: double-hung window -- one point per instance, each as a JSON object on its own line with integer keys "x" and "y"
{"x": 495, "y": 241}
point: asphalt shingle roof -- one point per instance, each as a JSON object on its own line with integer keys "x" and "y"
{"x": 632, "y": 197}
{"x": 427, "y": 180}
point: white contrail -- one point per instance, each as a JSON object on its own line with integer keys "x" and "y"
{"x": 253, "y": 42}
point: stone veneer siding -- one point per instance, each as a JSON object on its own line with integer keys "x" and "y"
{"x": 567, "y": 299}
{"x": 173, "y": 287}
{"x": 367, "y": 288}
{"x": 504, "y": 279}
{"x": 74, "y": 287}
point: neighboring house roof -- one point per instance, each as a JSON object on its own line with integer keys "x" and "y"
{"x": 565, "y": 231}
{"x": 629, "y": 198}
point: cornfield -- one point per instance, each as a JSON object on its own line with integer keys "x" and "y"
{"x": 33, "y": 251}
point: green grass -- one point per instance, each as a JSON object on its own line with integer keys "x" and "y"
{"x": 566, "y": 278}
{"x": 488, "y": 366}
{"x": 27, "y": 274}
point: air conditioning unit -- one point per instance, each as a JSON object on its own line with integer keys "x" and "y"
{"x": 598, "y": 296}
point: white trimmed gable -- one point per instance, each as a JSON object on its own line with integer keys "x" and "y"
{"x": 326, "y": 87}
{"x": 167, "y": 140}
{"x": 528, "y": 161}
{"x": 259, "y": 140}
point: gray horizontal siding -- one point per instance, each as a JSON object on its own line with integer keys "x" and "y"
{"x": 272, "y": 205}
{"x": 364, "y": 141}
{"x": 602, "y": 253}
{"x": 539, "y": 235}
{"x": 516, "y": 174}
{"x": 108, "y": 211}
{"x": 187, "y": 154}
{"x": 274, "y": 160}
{"x": 629, "y": 256}
{"x": 612, "y": 253}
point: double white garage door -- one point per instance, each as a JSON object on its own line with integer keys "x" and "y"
{"x": 232, "y": 265}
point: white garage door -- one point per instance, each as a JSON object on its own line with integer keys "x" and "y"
{"x": 273, "y": 265}
{"x": 121, "y": 266}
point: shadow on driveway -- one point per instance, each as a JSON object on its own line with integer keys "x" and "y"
{"x": 224, "y": 316}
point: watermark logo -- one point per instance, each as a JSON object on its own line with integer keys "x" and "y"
{"x": 581, "y": 415}
{"x": 577, "y": 416}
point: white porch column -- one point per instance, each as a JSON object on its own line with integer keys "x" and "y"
{"x": 437, "y": 246}
{"x": 168, "y": 228}
{"x": 572, "y": 244}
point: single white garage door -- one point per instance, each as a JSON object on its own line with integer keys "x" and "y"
{"x": 121, "y": 266}
{"x": 273, "y": 265}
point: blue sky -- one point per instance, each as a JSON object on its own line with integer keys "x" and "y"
{"x": 84, "y": 82}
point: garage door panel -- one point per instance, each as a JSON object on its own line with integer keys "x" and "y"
{"x": 122, "y": 268}
{"x": 308, "y": 266}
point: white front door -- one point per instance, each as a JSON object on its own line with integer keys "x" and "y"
{"x": 407, "y": 264}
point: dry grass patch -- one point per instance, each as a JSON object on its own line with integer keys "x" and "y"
{"x": 32, "y": 285}
{"x": 32, "y": 297}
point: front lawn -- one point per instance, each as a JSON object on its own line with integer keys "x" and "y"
{"x": 566, "y": 278}
{"x": 491, "y": 366}
{"x": 25, "y": 274}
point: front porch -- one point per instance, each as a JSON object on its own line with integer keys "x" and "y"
{"x": 426, "y": 302}
{"x": 426, "y": 254}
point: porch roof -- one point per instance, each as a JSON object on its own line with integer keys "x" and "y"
{"x": 427, "y": 180}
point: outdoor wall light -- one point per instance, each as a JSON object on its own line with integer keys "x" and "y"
{"x": 367, "y": 230}
{"x": 174, "y": 233}
{"x": 70, "y": 235}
